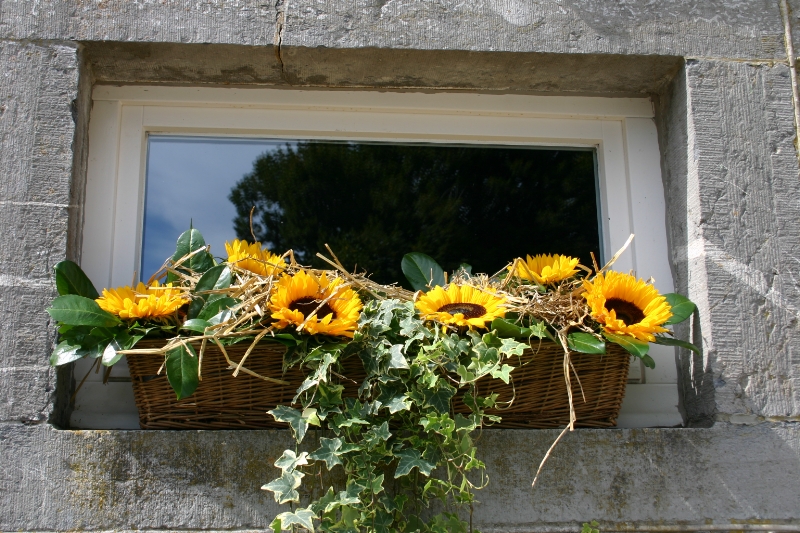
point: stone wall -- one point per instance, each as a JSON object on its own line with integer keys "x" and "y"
{"x": 719, "y": 74}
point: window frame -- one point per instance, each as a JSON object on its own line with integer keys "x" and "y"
{"x": 621, "y": 130}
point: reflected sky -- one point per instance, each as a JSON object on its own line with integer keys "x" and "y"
{"x": 188, "y": 181}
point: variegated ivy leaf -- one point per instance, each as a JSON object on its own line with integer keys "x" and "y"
{"x": 396, "y": 357}
{"x": 301, "y": 517}
{"x": 289, "y": 460}
{"x": 502, "y": 373}
{"x": 297, "y": 420}
{"x": 512, "y": 347}
{"x": 284, "y": 488}
{"x": 410, "y": 459}
{"x": 328, "y": 451}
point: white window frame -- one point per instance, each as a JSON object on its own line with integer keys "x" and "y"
{"x": 622, "y": 130}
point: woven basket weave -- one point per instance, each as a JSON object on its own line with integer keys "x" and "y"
{"x": 221, "y": 401}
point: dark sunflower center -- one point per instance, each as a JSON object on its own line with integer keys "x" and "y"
{"x": 466, "y": 309}
{"x": 626, "y": 311}
{"x": 308, "y": 305}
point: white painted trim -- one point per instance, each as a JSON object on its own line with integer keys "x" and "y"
{"x": 621, "y": 130}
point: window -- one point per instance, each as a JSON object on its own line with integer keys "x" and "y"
{"x": 125, "y": 120}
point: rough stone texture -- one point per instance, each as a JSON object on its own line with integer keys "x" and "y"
{"x": 178, "y": 63}
{"x": 89, "y": 480}
{"x": 726, "y": 29}
{"x": 731, "y": 182}
{"x": 246, "y": 22}
{"x": 37, "y": 130}
{"x": 733, "y": 213}
{"x": 497, "y": 71}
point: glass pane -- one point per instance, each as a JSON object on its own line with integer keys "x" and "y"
{"x": 372, "y": 202}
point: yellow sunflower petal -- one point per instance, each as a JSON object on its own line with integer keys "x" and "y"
{"x": 546, "y": 268}
{"x": 144, "y": 302}
{"x": 254, "y": 258}
{"x": 299, "y": 299}
{"x": 461, "y": 306}
{"x": 626, "y": 306}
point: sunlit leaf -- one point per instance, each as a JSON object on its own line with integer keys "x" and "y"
{"x": 396, "y": 357}
{"x": 77, "y": 310}
{"x": 502, "y": 373}
{"x": 289, "y": 460}
{"x": 66, "y": 353}
{"x": 585, "y": 343}
{"x": 681, "y": 307}
{"x": 284, "y": 488}
{"x": 299, "y": 421}
{"x": 633, "y": 346}
{"x": 439, "y": 398}
{"x": 122, "y": 341}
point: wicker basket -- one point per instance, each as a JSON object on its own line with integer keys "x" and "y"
{"x": 221, "y": 401}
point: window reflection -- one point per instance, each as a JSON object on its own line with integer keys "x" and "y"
{"x": 372, "y": 202}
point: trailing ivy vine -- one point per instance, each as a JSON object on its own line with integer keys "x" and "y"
{"x": 385, "y": 457}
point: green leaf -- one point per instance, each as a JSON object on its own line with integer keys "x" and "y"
{"x": 302, "y": 517}
{"x": 585, "y": 343}
{"x": 439, "y": 398}
{"x": 196, "y": 324}
{"x": 422, "y": 271}
{"x": 284, "y": 488}
{"x": 512, "y": 347}
{"x": 410, "y": 459}
{"x": 669, "y": 341}
{"x": 121, "y": 341}
{"x": 290, "y": 461}
{"x": 633, "y": 346}
{"x": 396, "y": 357}
{"x": 70, "y": 279}
{"x": 215, "y": 306}
{"x": 188, "y": 242}
{"x": 218, "y": 277}
{"x": 80, "y": 311}
{"x": 509, "y": 330}
{"x": 182, "y": 370}
{"x": 398, "y": 403}
{"x": 502, "y": 373}
{"x": 648, "y": 361}
{"x": 682, "y": 307}
{"x": 328, "y": 451}
{"x": 66, "y": 353}
{"x": 327, "y": 503}
{"x": 298, "y": 421}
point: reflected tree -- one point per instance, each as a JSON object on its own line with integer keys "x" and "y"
{"x": 372, "y": 203}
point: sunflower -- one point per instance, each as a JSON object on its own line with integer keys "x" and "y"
{"x": 254, "y": 258}
{"x": 546, "y": 268}
{"x": 300, "y": 297}
{"x": 461, "y": 305}
{"x": 626, "y": 306}
{"x": 152, "y": 302}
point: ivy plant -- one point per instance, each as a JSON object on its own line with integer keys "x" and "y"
{"x": 396, "y": 451}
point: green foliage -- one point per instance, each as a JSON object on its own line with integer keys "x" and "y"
{"x": 682, "y": 308}
{"x": 590, "y": 527}
{"x": 585, "y": 343}
{"x": 70, "y": 279}
{"x": 74, "y": 310}
{"x": 669, "y": 341}
{"x": 192, "y": 241}
{"x": 422, "y": 271}
{"x": 182, "y": 370}
{"x": 396, "y": 443}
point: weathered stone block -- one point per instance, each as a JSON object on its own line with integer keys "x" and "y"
{"x": 33, "y": 240}
{"x": 121, "y": 480}
{"x": 27, "y": 393}
{"x": 27, "y": 333}
{"x": 457, "y": 69}
{"x": 732, "y": 209}
{"x": 717, "y": 28}
{"x": 37, "y": 89}
{"x": 250, "y": 22}
{"x": 222, "y": 64}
